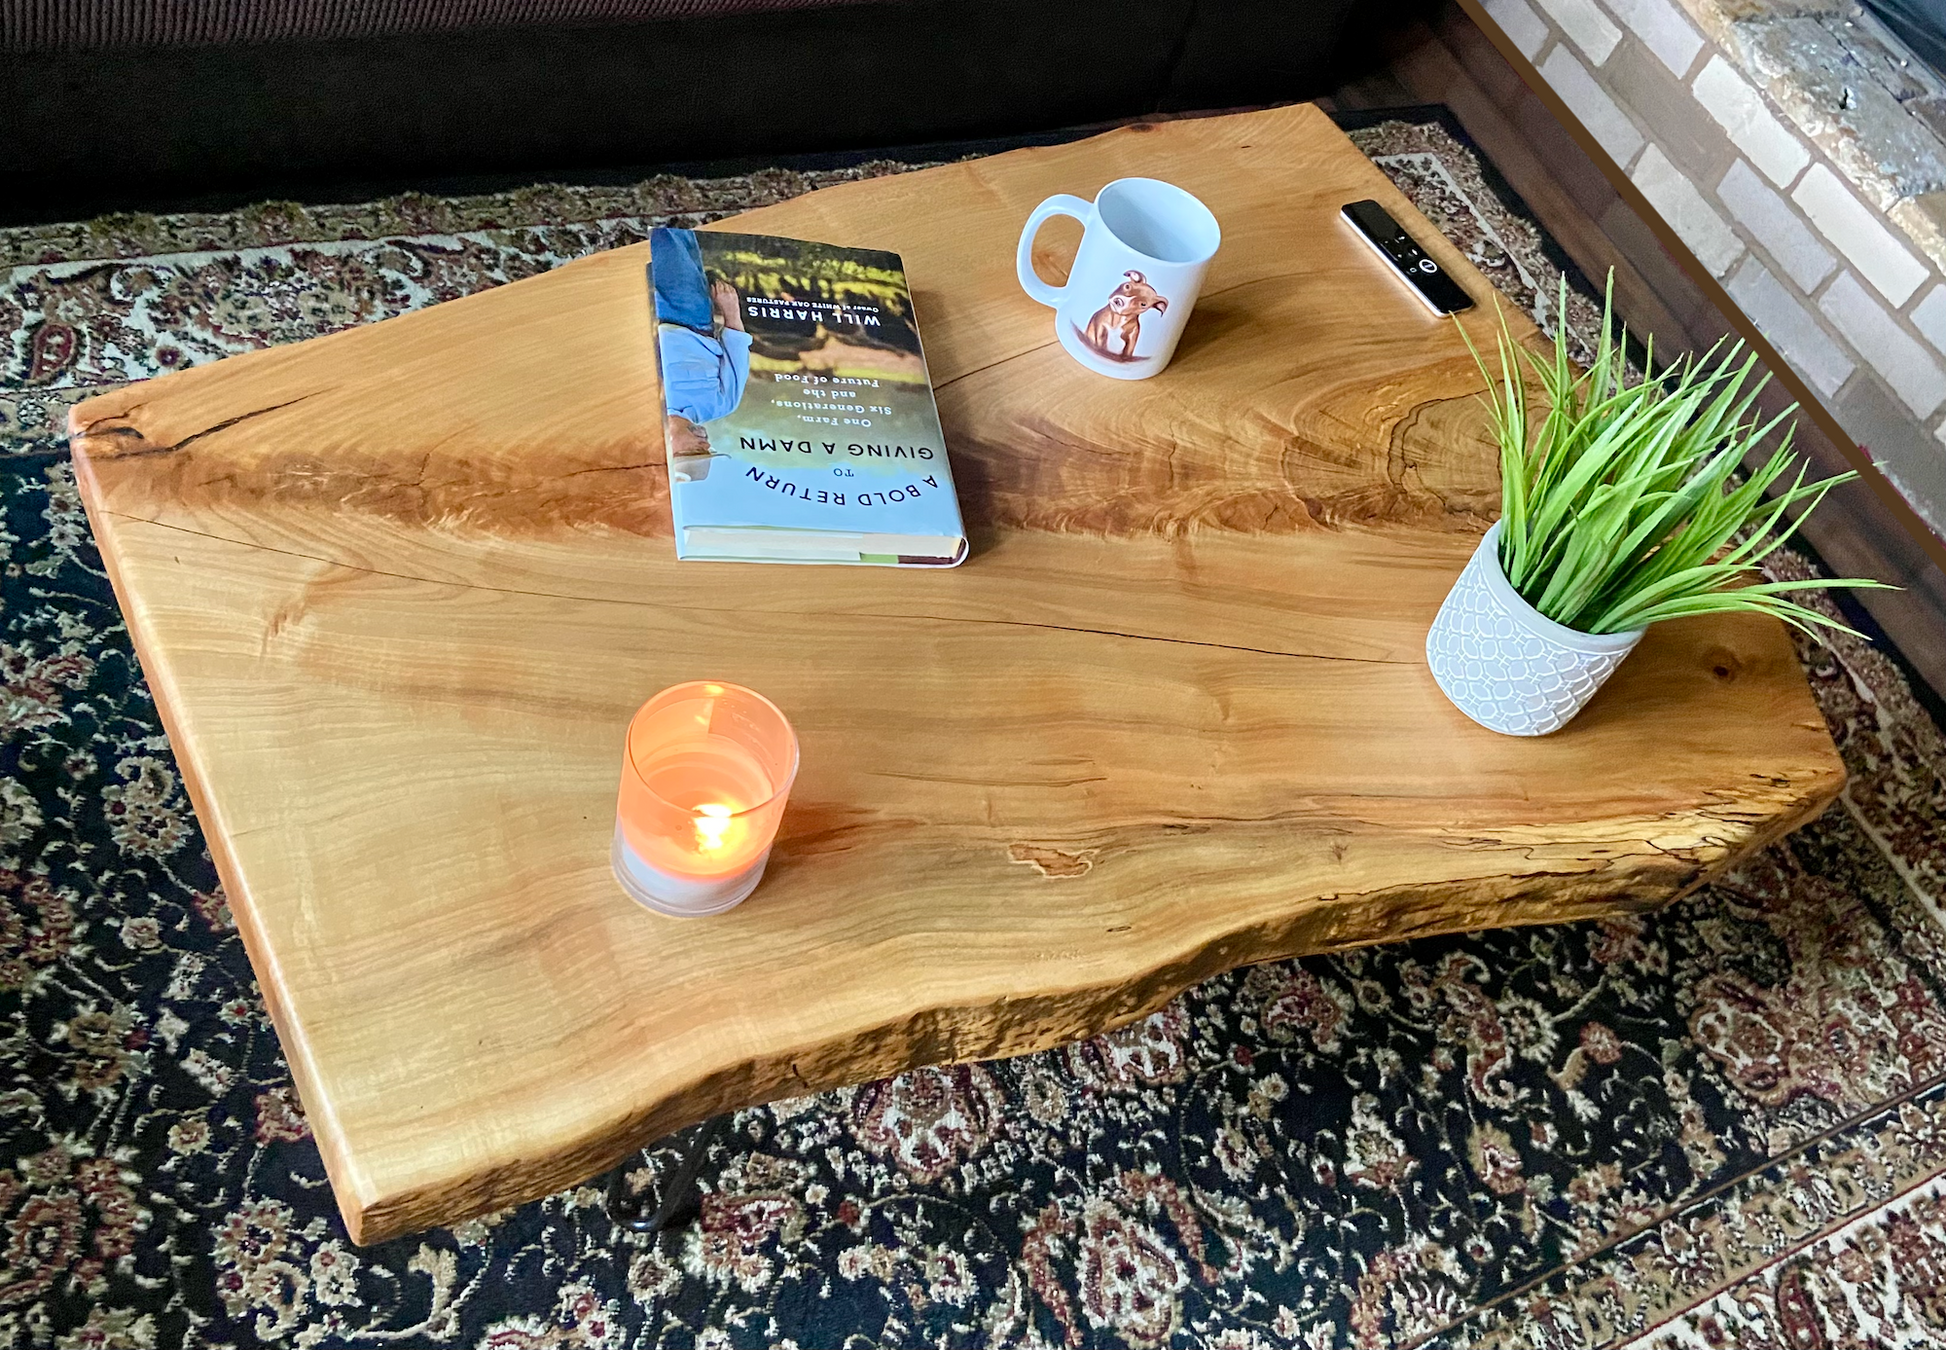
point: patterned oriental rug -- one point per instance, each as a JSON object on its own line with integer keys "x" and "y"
{"x": 1722, "y": 1124}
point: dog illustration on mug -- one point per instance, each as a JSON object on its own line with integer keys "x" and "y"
{"x": 1119, "y": 322}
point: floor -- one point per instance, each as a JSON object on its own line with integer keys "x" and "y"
{"x": 1517, "y": 1138}
{"x": 1720, "y": 1124}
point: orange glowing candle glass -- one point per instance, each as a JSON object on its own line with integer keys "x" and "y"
{"x": 706, "y": 771}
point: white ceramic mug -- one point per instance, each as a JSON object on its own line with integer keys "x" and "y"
{"x": 1145, "y": 247}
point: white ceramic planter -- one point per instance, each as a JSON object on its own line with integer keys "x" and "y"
{"x": 1504, "y": 663}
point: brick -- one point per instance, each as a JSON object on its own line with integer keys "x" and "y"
{"x": 1922, "y": 489}
{"x": 1694, "y": 220}
{"x": 1791, "y": 328}
{"x": 1679, "y": 294}
{"x": 1589, "y": 102}
{"x": 1930, "y": 317}
{"x": 1740, "y": 111}
{"x": 1663, "y": 30}
{"x": 1895, "y": 354}
{"x": 1866, "y": 243}
{"x": 1592, "y": 31}
{"x": 1881, "y": 425}
{"x": 1667, "y": 113}
{"x": 1519, "y": 22}
{"x": 1767, "y": 218}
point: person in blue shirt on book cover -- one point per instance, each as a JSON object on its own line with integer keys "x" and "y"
{"x": 704, "y": 348}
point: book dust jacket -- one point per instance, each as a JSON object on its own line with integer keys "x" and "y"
{"x": 799, "y": 420}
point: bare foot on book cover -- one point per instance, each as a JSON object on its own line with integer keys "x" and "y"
{"x": 689, "y": 449}
{"x": 727, "y": 303}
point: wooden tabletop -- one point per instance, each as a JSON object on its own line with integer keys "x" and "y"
{"x": 398, "y": 590}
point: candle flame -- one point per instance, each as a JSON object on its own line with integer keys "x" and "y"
{"x": 712, "y": 819}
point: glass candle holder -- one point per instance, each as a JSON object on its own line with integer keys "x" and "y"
{"x": 706, "y": 771}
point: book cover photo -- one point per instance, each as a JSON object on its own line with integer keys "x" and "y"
{"x": 799, "y": 420}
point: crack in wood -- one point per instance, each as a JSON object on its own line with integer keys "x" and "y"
{"x": 706, "y": 609}
{"x": 148, "y": 451}
{"x": 1142, "y": 637}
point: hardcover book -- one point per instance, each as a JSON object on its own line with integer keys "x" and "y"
{"x": 798, "y": 417}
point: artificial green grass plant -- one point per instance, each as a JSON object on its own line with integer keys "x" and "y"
{"x": 1622, "y": 506}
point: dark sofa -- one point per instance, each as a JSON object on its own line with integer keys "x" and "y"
{"x": 141, "y": 102}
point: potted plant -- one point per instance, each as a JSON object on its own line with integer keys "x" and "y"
{"x": 1621, "y": 506}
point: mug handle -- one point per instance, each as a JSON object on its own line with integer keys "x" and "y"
{"x": 1060, "y": 204}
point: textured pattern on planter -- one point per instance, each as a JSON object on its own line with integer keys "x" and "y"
{"x": 1504, "y": 663}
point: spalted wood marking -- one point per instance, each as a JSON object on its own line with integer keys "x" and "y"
{"x": 398, "y": 590}
{"x": 1054, "y": 862}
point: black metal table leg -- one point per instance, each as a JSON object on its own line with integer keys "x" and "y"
{"x": 680, "y": 1201}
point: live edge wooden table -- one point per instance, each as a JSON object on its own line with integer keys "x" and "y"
{"x": 398, "y": 590}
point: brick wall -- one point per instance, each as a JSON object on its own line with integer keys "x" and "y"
{"x": 1790, "y": 149}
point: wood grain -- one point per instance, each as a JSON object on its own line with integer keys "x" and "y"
{"x": 398, "y": 590}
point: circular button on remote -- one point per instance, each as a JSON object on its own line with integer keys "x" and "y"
{"x": 1428, "y": 265}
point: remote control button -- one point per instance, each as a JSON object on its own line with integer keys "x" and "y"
{"x": 1428, "y": 265}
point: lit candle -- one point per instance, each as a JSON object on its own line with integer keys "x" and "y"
{"x": 706, "y": 770}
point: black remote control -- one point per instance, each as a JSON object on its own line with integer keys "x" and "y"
{"x": 1441, "y": 294}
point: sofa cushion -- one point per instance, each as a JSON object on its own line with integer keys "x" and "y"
{"x": 77, "y": 25}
